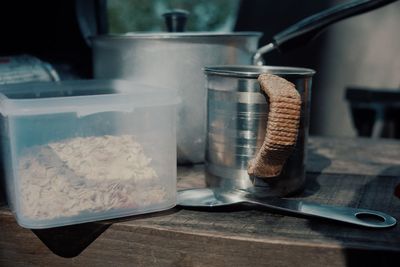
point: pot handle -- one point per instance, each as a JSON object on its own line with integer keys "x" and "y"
{"x": 305, "y": 30}
{"x": 282, "y": 126}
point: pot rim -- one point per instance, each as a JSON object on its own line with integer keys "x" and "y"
{"x": 250, "y": 71}
{"x": 176, "y": 35}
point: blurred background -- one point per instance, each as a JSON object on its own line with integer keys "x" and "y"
{"x": 355, "y": 90}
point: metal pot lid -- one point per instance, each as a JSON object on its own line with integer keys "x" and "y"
{"x": 177, "y": 35}
{"x": 249, "y": 71}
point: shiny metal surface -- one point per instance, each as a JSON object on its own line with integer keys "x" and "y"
{"x": 174, "y": 60}
{"x": 249, "y": 71}
{"x": 257, "y": 58}
{"x": 218, "y": 37}
{"x": 207, "y": 197}
{"x": 237, "y": 114}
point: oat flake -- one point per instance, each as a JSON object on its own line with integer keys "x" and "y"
{"x": 87, "y": 174}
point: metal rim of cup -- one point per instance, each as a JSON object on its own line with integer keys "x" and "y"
{"x": 249, "y": 71}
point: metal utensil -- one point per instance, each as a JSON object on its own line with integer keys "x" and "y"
{"x": 207, "y": 197}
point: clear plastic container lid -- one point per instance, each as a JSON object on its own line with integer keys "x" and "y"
{"x": 83, "y": 97}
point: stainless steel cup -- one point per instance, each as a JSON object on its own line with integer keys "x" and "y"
{"x": 237, "y": 115}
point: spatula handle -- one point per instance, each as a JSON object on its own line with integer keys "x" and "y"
{"x": 362, "y": 217}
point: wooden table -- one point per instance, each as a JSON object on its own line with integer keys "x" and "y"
{"x": 351, "y": 172}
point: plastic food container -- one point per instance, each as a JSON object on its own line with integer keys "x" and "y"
{"x": 87, "y": 150}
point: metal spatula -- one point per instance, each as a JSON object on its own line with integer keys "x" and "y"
{"x": 207, "y": 197}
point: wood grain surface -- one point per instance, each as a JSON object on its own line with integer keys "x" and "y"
{"x": 349, "y": 172}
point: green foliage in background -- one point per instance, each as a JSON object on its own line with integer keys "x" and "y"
{"x": 146, "y": 15}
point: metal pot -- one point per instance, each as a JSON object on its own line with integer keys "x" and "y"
{"x": 175, "y": 60}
